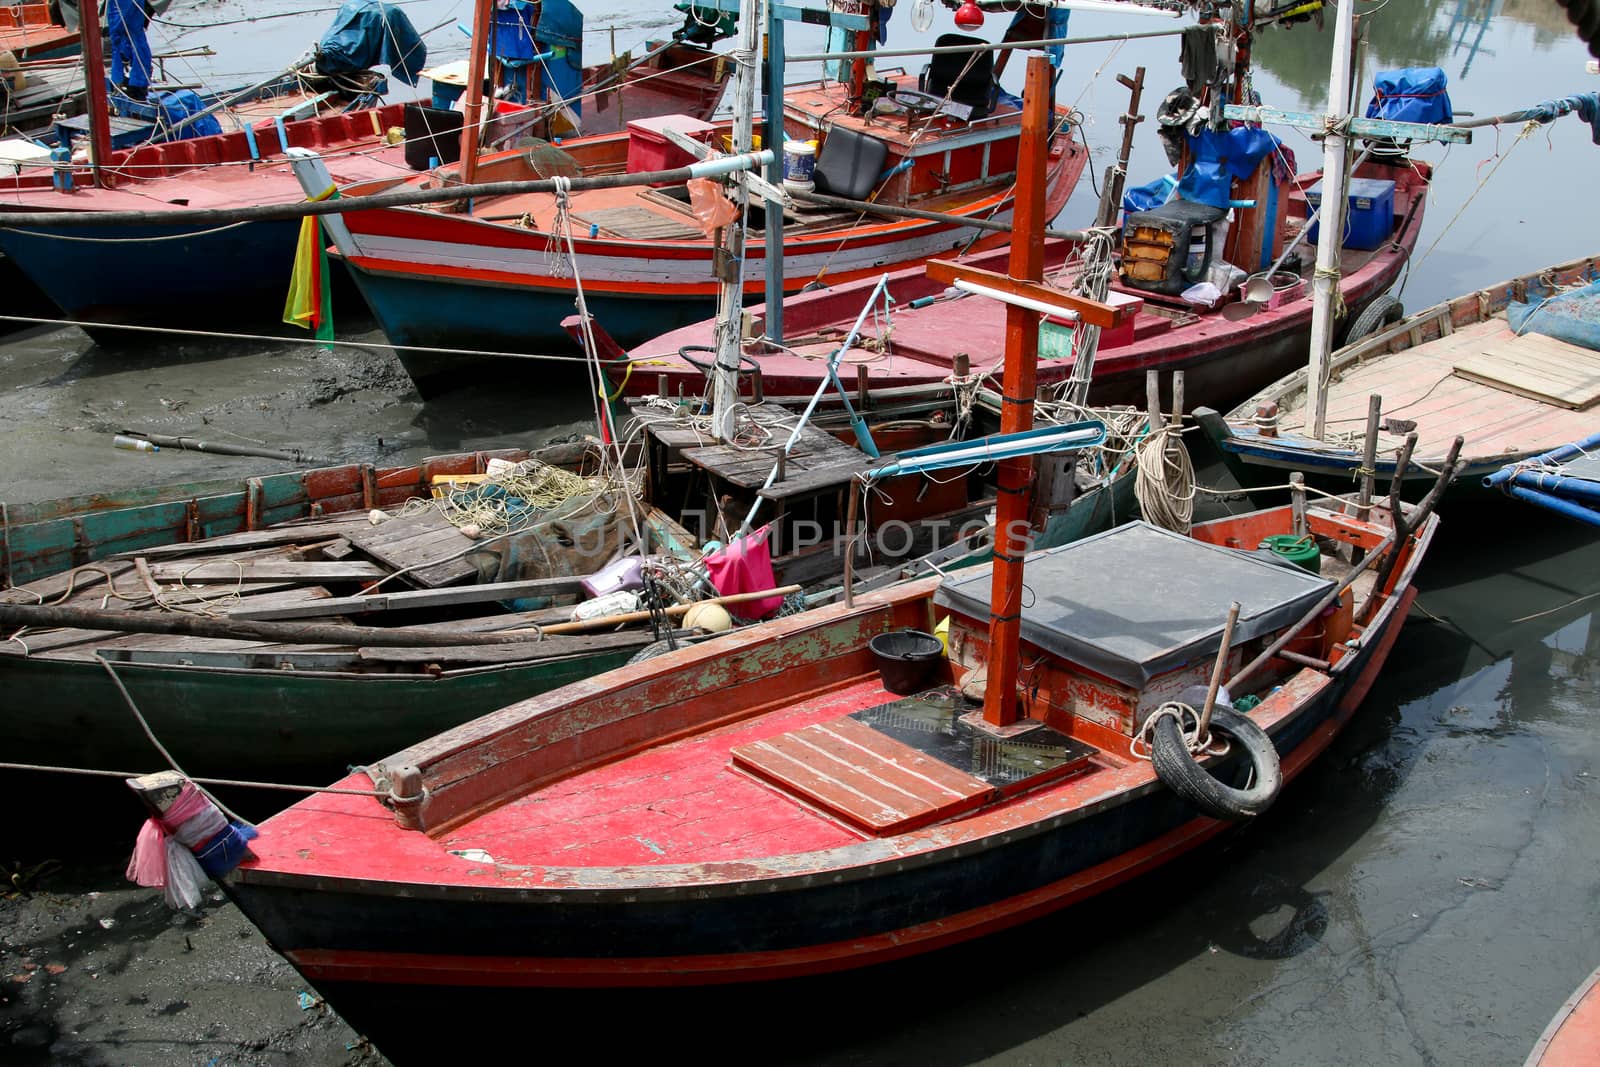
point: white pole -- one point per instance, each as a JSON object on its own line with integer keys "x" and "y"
{"x": 725, "y": 379}
{"x": 1324, "y": 284}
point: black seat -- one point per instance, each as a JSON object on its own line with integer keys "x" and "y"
{"x": 432, "y": 134}
{"x": 848, "y": 164}
{"x": 977, "y": 88}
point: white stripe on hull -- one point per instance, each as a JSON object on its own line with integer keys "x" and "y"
{"x": 534, "y": 266}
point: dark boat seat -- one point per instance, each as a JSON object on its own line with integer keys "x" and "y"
{"x": 976, "y": 89}
{"x": 848, "y": 164}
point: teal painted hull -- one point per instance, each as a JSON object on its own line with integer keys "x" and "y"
{"x": 265, "y": 725}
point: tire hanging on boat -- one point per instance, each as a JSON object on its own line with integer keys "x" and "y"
{"x": 1385, "y": 310}
{"x": 1177, "y": 767}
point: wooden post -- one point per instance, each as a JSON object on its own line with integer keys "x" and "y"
{"x": 1217, "y": 668}
{"x": 1325, "y": 282}
{"x": 472, "y": 130}
{"x": 961, "y": 365}
{"x": 1297, "y": 502}
{"x": 1177, "y": 400}
{"x": 861, "y": 387}
{"x": 1016, "y": 413}
{"x": 94, "y": 81}
{"x": 1152, "y": 399}
{"x": 1369, "y": 456}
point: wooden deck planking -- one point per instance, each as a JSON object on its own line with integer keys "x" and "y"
{"x": 1420, "y": 384}
{"x": 862, "y": 776}
{"x": 406, "y": 541}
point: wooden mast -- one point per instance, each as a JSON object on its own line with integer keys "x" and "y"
{"x": 1325, "y": 282}
{"x": 94, "y": 78}
{"x": 1015, "y": 475}
{"x": 472, "y": 130}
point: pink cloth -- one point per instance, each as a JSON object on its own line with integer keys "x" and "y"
{"x": 745, "y": 566}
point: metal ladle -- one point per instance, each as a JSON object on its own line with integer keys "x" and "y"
{"x": 1258, "y": 289}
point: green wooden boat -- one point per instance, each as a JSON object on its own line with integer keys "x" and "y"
{"x": 290, "y": 710}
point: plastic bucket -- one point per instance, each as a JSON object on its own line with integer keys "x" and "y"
{"x": 1301, "y": 551}
{"x": 799, "y": 165}
{"x": 1285, "y": 287}
{"x": 906, "y": 659}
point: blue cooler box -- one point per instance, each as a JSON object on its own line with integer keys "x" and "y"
{"x": 1370, "y": 219}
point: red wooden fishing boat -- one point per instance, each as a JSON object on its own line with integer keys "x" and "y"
{"x": 814, "y": 794}
{"x": 28, "y": 31}
{"x": 235, "y": 277}
{"x": 932, "y": 331}
{"x": 1573, "y": 1037}
{"x": 480, "y": 274}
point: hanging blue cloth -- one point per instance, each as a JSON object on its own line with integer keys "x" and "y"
{"x": 368, "y": 32}
{"x": 1410, "y": 94}
{"x": 1219, "y": 157}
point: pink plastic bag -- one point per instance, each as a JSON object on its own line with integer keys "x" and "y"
{"x": 711, "y": 205}
{"x": 745, "y": 566}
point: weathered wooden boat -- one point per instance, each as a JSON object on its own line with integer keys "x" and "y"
{"x": 481, "y": 276}
{"x": 1573, "y": 1037}
{"x": 235, "y": 277}
{"x": 814, "y": 794}
{"x": 932, "y": 332}
{"x": 766, "y": 808}
{"x": 1458, "y": 368}
{"x": 244, "y": 652}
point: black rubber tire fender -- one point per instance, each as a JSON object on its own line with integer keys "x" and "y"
{"x": 1183, "y": 774}
{"x": 1385, "y": 310}
{"x": 650, "y": 651}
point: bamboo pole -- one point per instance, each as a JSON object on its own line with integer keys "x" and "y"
{"x": 1217, "y": 668}
{"x": 41, "y": 616}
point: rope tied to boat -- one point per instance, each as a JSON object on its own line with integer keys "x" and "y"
{"x": 1332, "y": 275}
{"x": 1164, "y": 480}
{"x": 1142, "y": 744}
{"x": 560, "y": 240}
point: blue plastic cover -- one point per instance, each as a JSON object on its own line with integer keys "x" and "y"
{"x": 1572, "y": 316}
{"x": 1411, "y": 94}
{"x": 1220, "y": 156}
{"x": 1149, "y": 195}
{"x": 178, "y": 105}
{"x": 368, "y": 32}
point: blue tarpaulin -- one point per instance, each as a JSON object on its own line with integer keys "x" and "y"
{"x": 366, "y": 33}
{"x": 1219, "y": 157}
{"x": 1410, "y": 94}
{"x": 178, "y": 105}
{"x": 1572, "y": 316}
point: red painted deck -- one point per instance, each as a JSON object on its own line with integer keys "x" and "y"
{"x": 1573, "y": 1037}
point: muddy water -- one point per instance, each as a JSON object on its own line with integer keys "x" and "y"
{"x": 1425, "y": 894}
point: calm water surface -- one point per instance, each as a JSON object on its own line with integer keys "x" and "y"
{"x": 1425, "y": 894}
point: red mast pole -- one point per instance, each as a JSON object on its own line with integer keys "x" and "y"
{"x": 1016, "y": 411}
{"x": 94, "y": 79}
{"x": 472, "y": 131}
